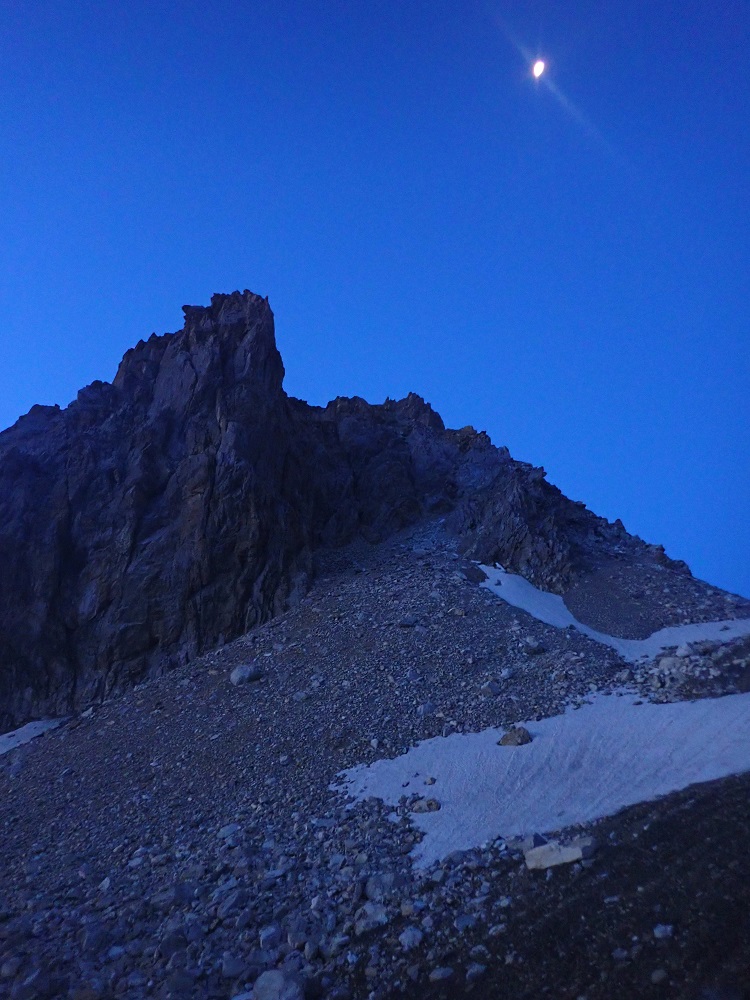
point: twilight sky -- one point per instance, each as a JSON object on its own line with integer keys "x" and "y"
{"x": 564, "y": 263}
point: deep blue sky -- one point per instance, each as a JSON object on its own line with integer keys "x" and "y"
{"x": 562, "y": 264}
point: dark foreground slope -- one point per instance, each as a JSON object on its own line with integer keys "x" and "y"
{"x": 182, "y": 504}
{"x": 181, "y": 841}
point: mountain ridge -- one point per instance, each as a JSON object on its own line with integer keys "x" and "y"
{"x": 182, "y": 504}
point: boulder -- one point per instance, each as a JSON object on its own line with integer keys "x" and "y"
{"x": 517, "y": 736}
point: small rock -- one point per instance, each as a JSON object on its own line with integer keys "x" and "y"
{"x": 10, "y": 967}
{"x": 532, "y": 647}
{"x": 277, "y": 985}
{"x": 296, "y": 938}
{"x": 587, "y": 845}
{"x": 410, "y": 937}
{"x": 339, "y": 943}
{"x": 475, "y": 971}
{"x": 234, "y": 901}
{"x": 270, "y": 937}
{"x": 658, "y": 976}
{"x": 427, "y": 709}
{"x": 370, "y": 916}
{"x": 491, "y": 689}
{"x": 93, "y": 938}
{"x": 532, "y": 840}
{"x": 662, "y": 931}
{"x": 245, "y": 673}
{"x": 517, "y": 736}
{"x": 180, "y": 984}
{"x": 425, "y": 806}
{"x": 231, "y": 966}
{"x": 378, "y": 886}
{"x": 667, "y": 663}
{"x": 440, "y": 974}
{"x": 551, "y": 854}
{"x": 171, "y": 943}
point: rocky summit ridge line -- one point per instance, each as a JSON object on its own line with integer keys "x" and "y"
{"x": 181, "y": 505}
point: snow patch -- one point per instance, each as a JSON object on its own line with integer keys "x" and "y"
{"x": 17, "y": 737}
{"x": 551, "y": 609}
{"x": 581, "y": 766}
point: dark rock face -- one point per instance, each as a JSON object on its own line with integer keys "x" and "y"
{"x": 182, "y": 504}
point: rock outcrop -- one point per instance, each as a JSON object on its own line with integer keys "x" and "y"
{"x": 181, "y": 505}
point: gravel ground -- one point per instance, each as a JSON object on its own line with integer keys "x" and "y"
{"x": 633, "y": 598}
{"x": 182, "y": 841}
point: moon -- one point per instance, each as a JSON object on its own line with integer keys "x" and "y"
{"x": 538, "y": 68}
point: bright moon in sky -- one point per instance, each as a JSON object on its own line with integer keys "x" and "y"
{"x": 538, "y": 68}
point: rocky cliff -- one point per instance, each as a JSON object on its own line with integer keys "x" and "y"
{"x": 179, "y": 506}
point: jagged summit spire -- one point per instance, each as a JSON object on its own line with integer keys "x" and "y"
{"x": 231, "y": 339}
{"x": 226, "y": 309}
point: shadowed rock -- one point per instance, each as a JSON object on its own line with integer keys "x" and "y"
{"x": 181, "y": 505}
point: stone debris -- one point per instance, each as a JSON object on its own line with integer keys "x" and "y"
{"x": 440, "y": 974}
{"x": 245, "y": 673}
{"x": 370, "y": 916}
{"x": 475, "y": 971}
{"x": 410, "y": 937}
{"x": 277, "y": 985}
{"x": 553, "y": 853}
{"x": 425, "y": 806}
{"x": 491, "y": 688}
{"x": 663, "y": 931}
{"x": 517, "y": 736}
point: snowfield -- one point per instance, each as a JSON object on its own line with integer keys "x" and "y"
{"x": 612, "y": 752}
{"x": 17, "y": 737}
{"x": 581, "y": 766}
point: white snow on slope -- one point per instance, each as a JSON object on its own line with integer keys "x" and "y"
{"x": 582, "y": 765}
{"x": 551, "y": 609}
{"x": 17, "y": 737}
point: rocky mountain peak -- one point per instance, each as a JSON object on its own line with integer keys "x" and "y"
{"x": 231, "y": 342}
{"x": 186, "y": 503}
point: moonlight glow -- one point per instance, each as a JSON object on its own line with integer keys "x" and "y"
{"x": 538, "y": 68}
